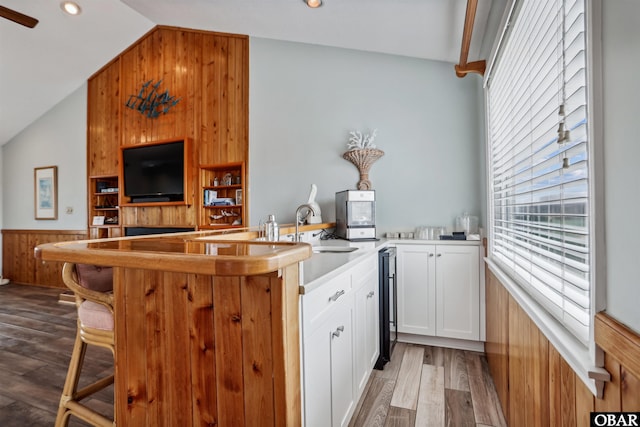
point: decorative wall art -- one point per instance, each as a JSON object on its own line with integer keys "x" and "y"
{"x": 150, "y": 102}
{"x": 362, "y": 152}
{"x": 46, "y": 192}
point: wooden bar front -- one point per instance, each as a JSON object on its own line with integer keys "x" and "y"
{"x": 201, "y": 338}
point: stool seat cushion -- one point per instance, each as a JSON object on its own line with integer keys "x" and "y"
{"x": 96, "y": 316}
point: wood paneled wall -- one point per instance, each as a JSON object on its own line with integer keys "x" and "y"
{"x": 184, "y": 363}
{"x": 535, "y": 384}
{"x": 209, "y": 73}
{"x": 18, "y": 261}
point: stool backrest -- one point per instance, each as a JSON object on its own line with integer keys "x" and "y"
{"x": 95, "y": 277}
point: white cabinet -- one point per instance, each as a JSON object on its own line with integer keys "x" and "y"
{"x": 328, "y": 374}
{"x": 416, "y": 289}
{"x": 339, "y": 343}
{"x": 439, "y": 290}
{"x": 367, "y": 338}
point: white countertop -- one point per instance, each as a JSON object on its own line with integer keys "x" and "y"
{"x": 326, "y": 265}
{"x": 323, "y": 266}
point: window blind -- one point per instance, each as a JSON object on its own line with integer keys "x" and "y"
{"x": 539, "y": 174}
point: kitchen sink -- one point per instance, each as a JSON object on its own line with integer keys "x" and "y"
{"x": 333, "y": 249}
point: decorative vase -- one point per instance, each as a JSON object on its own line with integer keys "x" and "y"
{"x": 363, "y": 158}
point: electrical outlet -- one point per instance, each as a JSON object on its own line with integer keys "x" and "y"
{"x": 69, "y": 210}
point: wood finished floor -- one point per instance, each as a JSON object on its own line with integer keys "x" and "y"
{"x": 36, "y": 340}
{"x": 430, "y": 386}
{"x": 421, "y": 386}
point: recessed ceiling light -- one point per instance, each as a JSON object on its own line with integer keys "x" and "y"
{"x": 313, "y": 3}
{"x": 70, "y": 7}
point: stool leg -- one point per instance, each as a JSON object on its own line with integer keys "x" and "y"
{"x": 71, "y": 382}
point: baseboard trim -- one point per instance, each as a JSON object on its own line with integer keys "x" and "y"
{"x": 442, "y": 342}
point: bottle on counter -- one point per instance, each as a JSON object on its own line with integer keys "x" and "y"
{"x": 272, "y": 231}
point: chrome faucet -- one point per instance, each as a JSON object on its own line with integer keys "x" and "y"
{"x": 309, "y": 208}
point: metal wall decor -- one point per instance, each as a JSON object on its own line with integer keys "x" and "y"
{"x": 150, "y": 101}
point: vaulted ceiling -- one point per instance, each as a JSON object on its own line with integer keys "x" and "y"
{"x": 41, "y": 66}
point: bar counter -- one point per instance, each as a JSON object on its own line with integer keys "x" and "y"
{"x": 206, "y": 330}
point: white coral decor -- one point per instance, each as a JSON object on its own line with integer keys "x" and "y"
{"x": 358, "y": 140}
{"x": 362, "y": 152}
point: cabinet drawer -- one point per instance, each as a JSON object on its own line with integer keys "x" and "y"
{"x": 321, "y": 299}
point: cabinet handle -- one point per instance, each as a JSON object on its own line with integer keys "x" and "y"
{"x": 370, "y": 294}
{"x": 337, "y": 295}
{"x": 430, "y": 255}
{"x": 439, "y": 255}
{"x": 336, "y": 333}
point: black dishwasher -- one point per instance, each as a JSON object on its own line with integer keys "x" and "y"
{"x": 388, "y": 306}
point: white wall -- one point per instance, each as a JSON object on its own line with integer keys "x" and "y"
{"x": 56, "y": 139}
{"x": 304, "y": 101}
{"x": 621, "y": 38}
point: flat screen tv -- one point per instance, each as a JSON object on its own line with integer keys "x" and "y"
{"x": 154, "y": 173}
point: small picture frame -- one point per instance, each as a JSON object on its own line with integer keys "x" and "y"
{"x": 239, "y": 197}
{"x": 45, "y": 187}
{"x": 98, "y": 220}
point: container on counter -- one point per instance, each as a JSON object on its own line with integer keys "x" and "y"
{"x": 429, "y": 232}
{"x": 272, "y": 231}
{"x": 467, "y": 224}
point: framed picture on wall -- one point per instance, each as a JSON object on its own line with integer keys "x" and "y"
{"x": 46, "y": 192}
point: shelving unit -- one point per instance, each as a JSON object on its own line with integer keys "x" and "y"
{"x": 104, "y": 206}
{"x": 222, "y": 196}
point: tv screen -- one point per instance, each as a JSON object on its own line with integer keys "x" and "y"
{"x": 154, "y": 173}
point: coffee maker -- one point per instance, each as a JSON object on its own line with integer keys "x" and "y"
{"x": 356, "y": 214}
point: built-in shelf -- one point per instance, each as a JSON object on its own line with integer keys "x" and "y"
{"x": 104, "y": 206}
{"x": 222, "y": 184}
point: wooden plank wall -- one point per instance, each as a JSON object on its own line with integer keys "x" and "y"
{"x": 536, "y": 385}
{"x": 19, "y": 264}
{"x": 209, "y": 72}
{"x": 185, "y": 363}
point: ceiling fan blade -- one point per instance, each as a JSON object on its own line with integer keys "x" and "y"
{"x": 18, "y": 17}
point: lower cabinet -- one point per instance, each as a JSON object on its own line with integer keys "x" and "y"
{"x": 367, "y": 338}
{"x": 339, "y": 344}
{"x": 328, "y": 353}
{"x": 439, "y": 290}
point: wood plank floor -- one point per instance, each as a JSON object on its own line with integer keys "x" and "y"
{"x": 430, "y": 386}
{"x": 36, "y": 340}
{"x": 421, "y": 386}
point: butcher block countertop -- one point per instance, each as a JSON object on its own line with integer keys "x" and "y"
{"x": 193, "y": 252}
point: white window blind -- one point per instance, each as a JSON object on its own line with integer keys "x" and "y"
{"x": 539, "y": 175}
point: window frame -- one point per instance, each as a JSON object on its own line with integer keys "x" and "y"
{"x": 584, "y": 360}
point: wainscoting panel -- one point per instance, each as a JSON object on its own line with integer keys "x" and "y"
{"x": 536, "y": 386}
{"x": 18, "y": 261}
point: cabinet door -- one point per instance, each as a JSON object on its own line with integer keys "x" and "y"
{"x": 458, "y": 291}
{"x": 342, "y": 387}
{"x": 416, "y": 289}
{"x": 329, "y": 396}
{"x": 366, "y": 326}
{"x": 317, "y": 377}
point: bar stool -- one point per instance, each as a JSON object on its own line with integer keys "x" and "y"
{"x": 92, "y": 286}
